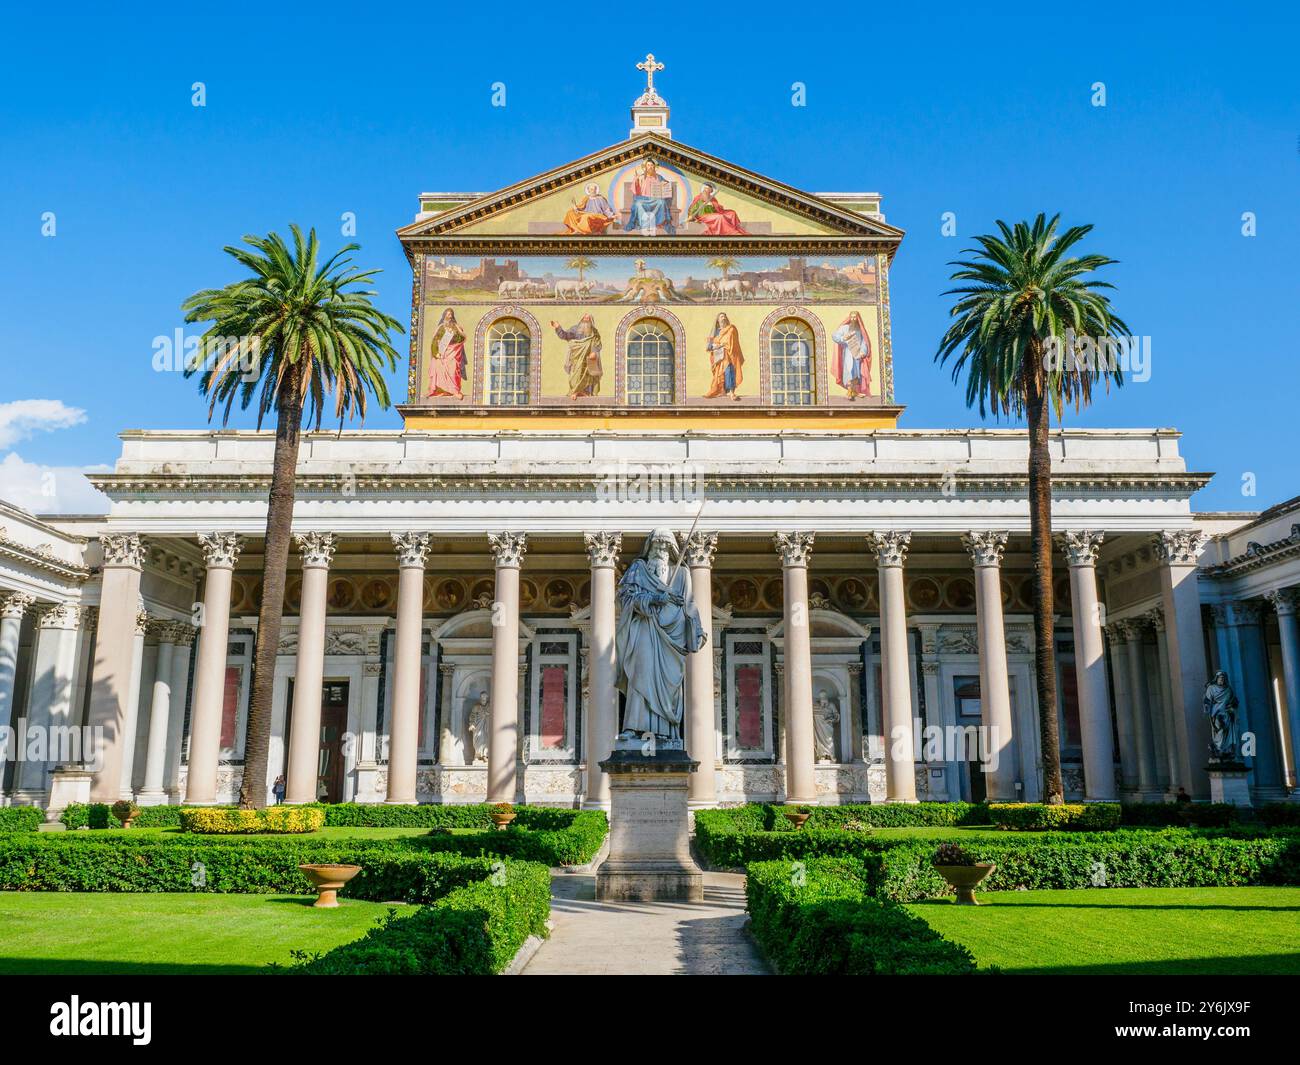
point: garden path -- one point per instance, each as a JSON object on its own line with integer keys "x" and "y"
{"x": 652, "y": 938}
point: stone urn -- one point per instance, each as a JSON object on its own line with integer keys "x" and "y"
{"x": 963, "y": 879}
{"x": 501, "y": 816}
{"x": 328, "y": 880}
{"x": 797, "y": 817}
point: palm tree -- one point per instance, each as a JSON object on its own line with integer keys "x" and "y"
{"x": 303, "y": 331}
{"x": 1022, "y": 329}
{"x": 581, "y": 264}
{"x": 724, "y": 264}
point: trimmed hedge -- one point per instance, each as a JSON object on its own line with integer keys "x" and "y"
{"x": 818, "y": 918}
{"x": 391, "y": 870}
{"x": 1037, "y": 816}
{"x": 286, "y": 820}
{"x": 100, "y": 815}
{"x": 20, "y": 818}
{"x": 538, "y": 834}
{"x": 1180, "y": 814}
{"x": 424, "y": 815}
{"x": 475, "y": 929}
{"x": 1281, "y": 814}
{"x": 1118, "y": 859}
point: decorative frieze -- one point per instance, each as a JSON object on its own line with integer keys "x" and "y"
{"x": 220, "y": 550}
{"x": 316, "y": 548}
{"x": 1179, "y": 547}
{"x": 412, "y": 549}
{"x": 603, "y": 548}
{"x": 985, "y": 548}
{"x": 794, "y": 547}
{"x": 122, "y": 549}
{"x": 890, "y": 547}
{"x": 508, "y": 548}
{"x": 1081, "y": 546}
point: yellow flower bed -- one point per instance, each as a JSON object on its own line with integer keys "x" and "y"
{"x": 274, "y": 819}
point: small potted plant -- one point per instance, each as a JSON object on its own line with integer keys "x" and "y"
{"x": 502, "y": 814}
{"x": 125, "y": 811}
{"x": 798, "y": 815}
{"x": 961, "y": 871}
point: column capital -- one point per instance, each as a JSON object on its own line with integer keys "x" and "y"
{"x": 14, "y": 605}
{"x": 985, "y": 548}
{"x": 1155, "y": 617}
{"x": 59, "y": 616}
{"x": 1242, "y": 612}
{"x": 1081, "y": 546}
{"x": 123, "y": 549}
{"x": 316, "y": 548}
{"x": 1179, "y": 547}
{"x": 220, "y": 549}
{"x": 1286, "y": 601}
{"x": 603, "y": 548}
{"x": 890, "y": 547}
{"x": 142, "y": 621}
{"x": 412, "y": 549}
{"x": 700, "y": 547}
{"x": 168, "y": 631}
{"x": 508, "y": 548}
{"x": 793, "y": 547}
{"x": 1120, "y": 631}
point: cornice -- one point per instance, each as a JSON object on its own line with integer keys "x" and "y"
{"x": 1258, "y": 556}
{"x": 43, "y": 560}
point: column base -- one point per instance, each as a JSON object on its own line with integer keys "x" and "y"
{"x": 152, "y": 798}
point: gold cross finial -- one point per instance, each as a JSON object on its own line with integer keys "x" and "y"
{"x": 650, "y": 66}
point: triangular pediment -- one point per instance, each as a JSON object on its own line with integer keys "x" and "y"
{"x": 613, "y": 194}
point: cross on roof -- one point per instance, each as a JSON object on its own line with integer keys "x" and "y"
{"x": 650, "y": 66}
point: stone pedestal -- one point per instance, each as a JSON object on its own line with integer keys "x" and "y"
{"x": 649, "y": 837}
{"x": 1228, "y": 783}
{"x": 68, "y": 785}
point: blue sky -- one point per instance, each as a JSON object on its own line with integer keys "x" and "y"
{"x": 315, "y": 113}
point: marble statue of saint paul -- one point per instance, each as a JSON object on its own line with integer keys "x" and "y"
{"x": 658, "y": 627}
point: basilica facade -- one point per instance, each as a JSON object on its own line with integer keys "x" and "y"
{"x": 647, "y": 337}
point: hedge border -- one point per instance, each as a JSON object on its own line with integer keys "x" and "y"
{"x": 20, "y": 818}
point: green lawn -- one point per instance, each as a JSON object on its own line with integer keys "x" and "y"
{"x": 1156, "y": 931}
{"x": 70, "y": 933}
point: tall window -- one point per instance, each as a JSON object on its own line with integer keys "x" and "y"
{"x": 649, "y": 365}
{"x": 792, "y": 363}
{"x": 507, "y": 375}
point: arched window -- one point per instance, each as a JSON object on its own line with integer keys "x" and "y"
{"x": 792, "y": 363}
{"x": 650, "y": 359}
{"x": 507, "y": 369}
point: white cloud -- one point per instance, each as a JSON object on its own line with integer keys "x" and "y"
{"x": 21, "y": 418}
{"x": 50, "y": 489}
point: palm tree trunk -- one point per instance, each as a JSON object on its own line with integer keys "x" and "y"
{"x": 275, "y": 562}
{"x": 1040, "y": 532}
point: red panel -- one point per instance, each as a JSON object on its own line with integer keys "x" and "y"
{"x": 230, "y": 706}
{"x": 749, "y": 706}
{"x": 553, "y": 705}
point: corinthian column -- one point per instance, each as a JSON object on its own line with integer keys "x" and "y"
{"x": 1178, "y": 550}
{"x": 220, "y": 550}
{"x": 986, "y": 550}
{"x": 404, "y": 731}
{"x": 12, "y": 608}
{"x": 119, "y": 606}
{"x": 302, "y": 780}
{"x": 800, "y": 751}
{"x": 900, "y": 758}
{"x": 152, "y": 792}
{"x": 1090, "y": 667}
{"x": 133, "y": 703}
{"x": 701, "y": 735}
{"x": 1285, "y": 601}
{"x": 1140, "y": 707}
{"x": 503, "y": 739}
{"x": 602, "y": 665}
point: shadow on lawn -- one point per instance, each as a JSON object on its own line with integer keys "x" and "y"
{"x": 76, "y": 967}
{"x": 1240, "y": 965}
